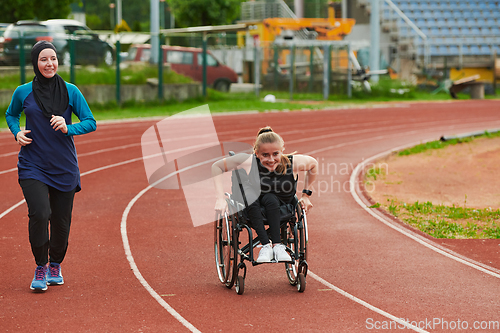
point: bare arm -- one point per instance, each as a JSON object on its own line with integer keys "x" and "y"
{"x": 310, "y": 166}
{"x": 237, "y": 161}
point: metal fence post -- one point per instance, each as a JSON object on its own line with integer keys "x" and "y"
{"x": 349, "y": 72}
{"x": 292, "y": 70}
{"x": 118, "y": 97}
{"x": 311, "y": 69}
{"x": 204, "y": 65}
{"x": 276, "y": 55}
{"x": 160, "y": 70}
{"x": 22, "y": 61}
{"x": 326, "y": 71}
{"x": 257, "y": 70}
{"x": 72, "y": 56}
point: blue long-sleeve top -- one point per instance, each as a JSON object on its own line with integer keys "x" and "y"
{"x": 51, "y": 156}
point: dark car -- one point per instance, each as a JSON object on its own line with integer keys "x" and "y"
{"x": 89, "y": 48}
{"x": 188, "y": 61}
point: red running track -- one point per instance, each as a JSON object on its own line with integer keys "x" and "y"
{"x": 363, "y": 273}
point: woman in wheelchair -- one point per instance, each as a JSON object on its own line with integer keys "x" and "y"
{"x": 276, "y": 178}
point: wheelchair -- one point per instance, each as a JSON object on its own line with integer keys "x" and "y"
{"x": 231, "y": 254}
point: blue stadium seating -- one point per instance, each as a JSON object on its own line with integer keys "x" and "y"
{"x": 453, "y": 26}
{"x": 484, "y": 49}
{"x": 453, "y": 50}
{"x": 490, "y": 22}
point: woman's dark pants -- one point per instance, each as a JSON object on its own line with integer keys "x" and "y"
{"x": 271, "y": 204}
{"x": 45, "y": 204}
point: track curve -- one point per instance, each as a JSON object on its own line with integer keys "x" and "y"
{"x": 349, "y": 248}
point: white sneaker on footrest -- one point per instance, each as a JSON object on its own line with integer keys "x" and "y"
{"x": 265, "y": 254}
{"x": 280, "y": 253}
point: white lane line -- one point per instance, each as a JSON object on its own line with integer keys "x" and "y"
{"x": 126, "y": 245}
{"x": 165, "y": 304}
{"x": 8, "y": 170}
{"x": 365, "y": 304}
{"x": 154, "y": 294}
{"x": 427, "y": 243}
{"x": 12, "y": 208}
{"x": 135, "y": 269}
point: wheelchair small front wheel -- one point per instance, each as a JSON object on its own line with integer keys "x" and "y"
{"x": 301, "y": 282}
{"x": 239, "y": 286}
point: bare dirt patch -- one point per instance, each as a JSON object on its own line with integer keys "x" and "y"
{"x": 466, "y": 174}
{"x": 463, "y": 174}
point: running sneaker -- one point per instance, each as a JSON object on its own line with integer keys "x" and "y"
{"x": 265, "y": 254}
{"x": 54, "y": 276}
{"x": 280, "y": 253}
{"x": 39, "y": 282}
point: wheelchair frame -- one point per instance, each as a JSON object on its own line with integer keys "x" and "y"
{"x": 230, "y": 258}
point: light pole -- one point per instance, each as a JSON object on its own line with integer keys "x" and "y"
{"x": 375, "y": 39}
{"x": 155, "y": 30}
{"x": 162, "y": 14}
{"x": 118, "y": 12}
{"x": 112, "y": 15}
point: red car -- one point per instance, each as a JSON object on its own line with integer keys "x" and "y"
{"x": 188, "y": 61}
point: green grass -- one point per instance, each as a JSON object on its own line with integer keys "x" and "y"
{"x": 224, "y": 102}
{"x": 374, "y": 173}
{"x": 442, "y": 144}
{"x": 103, "y": 75}
{"x": 442, "y": 221}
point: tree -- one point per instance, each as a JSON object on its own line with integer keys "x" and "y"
{"x": 53, "y": 9}
{"x": 15, "y": 10}
{"x": 132, "y": 10}
{"x": 191, "y": 13}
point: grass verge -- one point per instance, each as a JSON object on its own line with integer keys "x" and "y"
{"x": 103, "y": 75}
{"x": 438, "y": 144}
{"x": 441, "y": 221}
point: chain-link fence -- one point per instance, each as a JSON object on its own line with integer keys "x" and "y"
{"x": 293, "y": 66}
{"x": 305, "y": 67}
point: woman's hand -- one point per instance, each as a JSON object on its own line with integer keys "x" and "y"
{"x": 221, "y": 206}
{"x": 305, "y": 202}
{"x": 22, "y": 139}
{"x": 59, "y": 123}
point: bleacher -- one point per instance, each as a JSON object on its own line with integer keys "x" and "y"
{"x": 469, "y": 28}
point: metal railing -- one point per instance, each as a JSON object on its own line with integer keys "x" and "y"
{"x": 401, "y": 15}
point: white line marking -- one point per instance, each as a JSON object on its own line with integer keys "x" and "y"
{"x": 363, "y": 303}
{"x": 12, "y": 208}
{"x": 137, "y": 273}
{"x": 426, "y": 243}
{"x": 187, "y": 324}
{"x": 162, "y": 302}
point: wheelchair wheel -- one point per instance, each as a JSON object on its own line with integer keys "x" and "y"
{"x": 301, "y": 282}
{"x": 239, "y": 286}
{"x": 296, "y": 240}
{"x": 292, "y": 268}
{"x": 224, "y": 250}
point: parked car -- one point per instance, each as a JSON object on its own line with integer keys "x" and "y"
{"x": 89, "y": 48}
{"x": 188, "y": 61}
{"x": 3, "y": 26}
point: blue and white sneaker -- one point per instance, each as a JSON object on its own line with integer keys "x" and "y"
{"x": 54, "y": 276}
{"x": 39, "y": 282}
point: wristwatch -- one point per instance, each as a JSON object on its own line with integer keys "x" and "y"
{"x": 308, "y": 192}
